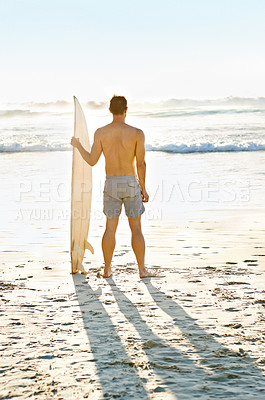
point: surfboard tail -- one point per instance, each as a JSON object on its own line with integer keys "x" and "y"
{"x": 77, "y": 265}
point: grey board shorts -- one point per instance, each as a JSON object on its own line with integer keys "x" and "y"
{"x": 120, "y": 190}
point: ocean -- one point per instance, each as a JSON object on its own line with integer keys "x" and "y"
{"x": 172, "y": 126}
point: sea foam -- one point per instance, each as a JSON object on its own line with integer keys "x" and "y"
{"x": 169, "y": 148}
{"x": 205, "y": 148}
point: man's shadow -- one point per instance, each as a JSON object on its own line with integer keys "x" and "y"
{"x": 233, "y": 372}
{"x": 166, "y": 361}
{"x": 220, "y": 372}
{"x": 117, "y": 375}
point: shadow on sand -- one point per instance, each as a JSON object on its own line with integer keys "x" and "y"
{"x": 232, "y": 375}
{"x": 117, "y": 375}
{"x": 218, "y": 372}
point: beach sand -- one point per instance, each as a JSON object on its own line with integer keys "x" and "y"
{"x": 197, "y": 331}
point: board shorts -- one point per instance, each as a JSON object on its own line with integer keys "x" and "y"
{"x": 119, "y": 190}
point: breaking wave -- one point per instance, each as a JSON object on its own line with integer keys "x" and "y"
{"x": 205, "y": 148}
{"x": 16, "y": 147}
{"x": 169, "y": 148}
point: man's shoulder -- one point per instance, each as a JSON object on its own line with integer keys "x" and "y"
{"x": 102, "y": 129}
{"x": 137, "y": 131}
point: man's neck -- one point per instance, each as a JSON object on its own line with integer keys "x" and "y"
{"x": 119, "y": 119}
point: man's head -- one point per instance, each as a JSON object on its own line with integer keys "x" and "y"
{"x": 118, "y": 105}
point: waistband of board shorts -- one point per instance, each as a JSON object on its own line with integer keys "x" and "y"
{"x": 122, "y": 178}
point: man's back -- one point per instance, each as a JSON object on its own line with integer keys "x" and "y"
{"x": 119, "y": 143}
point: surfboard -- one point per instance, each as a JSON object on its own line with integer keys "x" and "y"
{"x": 81, "y": 194}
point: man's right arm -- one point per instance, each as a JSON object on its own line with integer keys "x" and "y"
{"x": 141, "y": 164}
{"x": 90, "y": 157}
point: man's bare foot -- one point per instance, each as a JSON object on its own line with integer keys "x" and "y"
{"x": 143, "y": 273}
{"x": 107, "y": 273}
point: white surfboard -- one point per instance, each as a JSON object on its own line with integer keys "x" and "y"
{"x": 81, "y": 195}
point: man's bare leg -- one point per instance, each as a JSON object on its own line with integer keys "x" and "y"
{"x": 108, "y": 244}
{"x": 138, "y": 245}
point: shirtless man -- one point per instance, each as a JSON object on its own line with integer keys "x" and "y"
{"x": 123, "y": 147}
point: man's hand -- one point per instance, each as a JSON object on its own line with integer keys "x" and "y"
{"x": 145, "y": 196}
{"x": 75, "y": 141}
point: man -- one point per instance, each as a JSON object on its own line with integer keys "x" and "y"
{"x": 123, "y": 147}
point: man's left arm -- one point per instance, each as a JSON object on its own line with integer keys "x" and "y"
{"x": 91, "y": 157}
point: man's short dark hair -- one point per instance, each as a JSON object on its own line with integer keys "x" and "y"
{"x": 118, "y": 104}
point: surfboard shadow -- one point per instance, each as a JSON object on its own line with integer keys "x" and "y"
{"x": 117, "y": 375}
{"x": 232, "y": 374}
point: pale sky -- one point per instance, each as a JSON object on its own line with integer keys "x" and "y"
{"x": 144, "y": 49}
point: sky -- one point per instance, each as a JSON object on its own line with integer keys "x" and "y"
{"x": 143, "y": 49}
